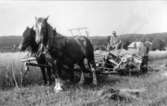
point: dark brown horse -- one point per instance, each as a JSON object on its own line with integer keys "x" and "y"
{"x": 28, "y": 43}
{"x": 66, "y": 51}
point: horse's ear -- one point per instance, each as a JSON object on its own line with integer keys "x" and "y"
{"x": 55, "y": 31}
{"x": 47, "y": 18}
{"x": 36, "y": 18}
{"x": 32, "y": 27}
{"x": 27, "y": 27}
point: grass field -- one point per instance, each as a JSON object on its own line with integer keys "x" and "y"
{"x": 31, "y": 92}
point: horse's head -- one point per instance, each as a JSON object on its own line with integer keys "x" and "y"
{"x": 41, "y": 29}
{"x": 28, "y": 40}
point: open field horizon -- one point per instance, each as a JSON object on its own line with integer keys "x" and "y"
{"x": 10, "y": 43}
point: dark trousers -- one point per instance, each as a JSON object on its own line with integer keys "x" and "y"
{"x": 144, "y": 63}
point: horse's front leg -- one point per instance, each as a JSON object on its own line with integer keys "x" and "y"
{"x": 71, "y": 73}
{"x": 44, "y": 75}
{"x": 58, "y": 82}
{"x": 41, "y": 61}
{"x": 49, "y": 75}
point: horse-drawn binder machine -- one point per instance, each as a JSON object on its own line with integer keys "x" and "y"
{"x": 114, "y": 63}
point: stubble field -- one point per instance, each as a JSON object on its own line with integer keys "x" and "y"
{"x": 30, "y": 90}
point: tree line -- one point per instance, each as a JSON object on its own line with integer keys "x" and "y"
{"x": 159, "y": 41}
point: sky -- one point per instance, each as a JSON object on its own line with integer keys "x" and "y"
{"x": 100, "y": 17}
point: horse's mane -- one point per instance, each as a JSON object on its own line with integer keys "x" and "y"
{"x": 53, "y": 33}
{"x": 33, "y": 46}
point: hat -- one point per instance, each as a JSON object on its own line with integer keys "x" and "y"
{"x": 114, "y": 32}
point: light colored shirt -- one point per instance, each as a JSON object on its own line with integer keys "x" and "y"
{"x": 113, "y": 43}
{"x": 142, "y": 50}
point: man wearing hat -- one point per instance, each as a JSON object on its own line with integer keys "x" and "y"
{"x": 113, "y": 42}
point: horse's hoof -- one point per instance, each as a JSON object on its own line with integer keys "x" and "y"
{"x": 81, "y": 83}
{"x": 58, "y": 86}
{"x": 95, "y": 83}
{"x": 57, "y": 90}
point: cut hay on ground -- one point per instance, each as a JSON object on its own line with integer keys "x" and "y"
{"x": 12, "y": 70}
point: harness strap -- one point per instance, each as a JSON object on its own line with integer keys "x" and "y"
{"x": 51, "y": 39}
{"x": 81, "y": 45}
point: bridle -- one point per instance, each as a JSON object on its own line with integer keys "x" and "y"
{"x": 45, "y": 45}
